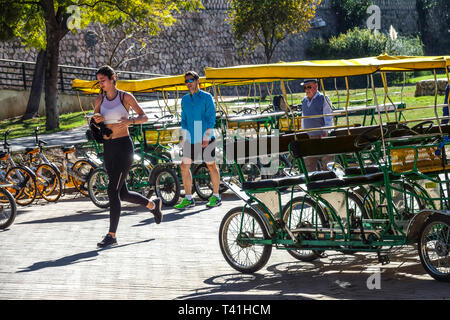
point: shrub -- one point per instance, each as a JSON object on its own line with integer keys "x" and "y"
{"x": 359, "y": 43}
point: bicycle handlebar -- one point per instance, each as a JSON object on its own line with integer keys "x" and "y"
{"x": 38, "y": 141}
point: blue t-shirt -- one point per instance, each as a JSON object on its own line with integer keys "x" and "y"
{"x": 198, "y": 113}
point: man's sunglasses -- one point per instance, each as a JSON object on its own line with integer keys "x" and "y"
{"x": 189, "y": 80}
{"x": 308, "y": 87}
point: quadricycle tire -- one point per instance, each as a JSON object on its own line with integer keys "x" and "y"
{"x": 293, "y": 221}
{"x": 434, "y": 247}
{"x": 98, "y": 187}
{"x": 167, "y": 185}
{"x": 235, "y": 240}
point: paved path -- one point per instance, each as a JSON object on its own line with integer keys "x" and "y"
{"x": 50, "y": 253}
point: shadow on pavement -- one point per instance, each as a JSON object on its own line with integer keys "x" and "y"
{"x": 73, "y": 259}
{"x": 341, "y": 277}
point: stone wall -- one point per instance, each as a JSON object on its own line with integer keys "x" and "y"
{"x": 401, "y": 14}
{"x": 198, "y": 40}
{"x": 427, "y": 87}
{"x": 205, "y": 39}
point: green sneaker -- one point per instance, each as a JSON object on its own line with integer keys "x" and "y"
{"x": 214, "y": 202}
{"x": 185, "y": 203}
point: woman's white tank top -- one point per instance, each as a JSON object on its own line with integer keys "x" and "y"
{"x": 113, "y": 110}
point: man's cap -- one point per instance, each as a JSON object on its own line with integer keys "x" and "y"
{"x": 306, "y": 81}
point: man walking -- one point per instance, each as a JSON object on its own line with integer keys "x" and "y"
{"x": 198, "y": 118}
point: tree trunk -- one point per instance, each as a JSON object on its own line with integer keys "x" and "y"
{"x": 36, "y": 87}
{"x": 51, "y": 75}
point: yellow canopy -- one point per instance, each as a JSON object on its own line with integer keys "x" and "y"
{"x": 291, "y": 70}
{"x": 411, "y": 63}
{"x": 247, "y": 74}
{"x": 325, "y": 68}
{"x": 169, "y": 83}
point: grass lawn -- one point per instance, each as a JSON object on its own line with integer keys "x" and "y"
{"x": 26, "y": 128}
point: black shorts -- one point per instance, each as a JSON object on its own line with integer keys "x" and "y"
{"x": 197, "y": 154}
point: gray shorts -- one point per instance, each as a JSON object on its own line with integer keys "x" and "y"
{"x": 197, "y": 154}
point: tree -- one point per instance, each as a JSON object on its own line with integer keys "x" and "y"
{"x": 44, "y": 23}
{"x": 266, "y": 23}
{"x": 350, "y": 13}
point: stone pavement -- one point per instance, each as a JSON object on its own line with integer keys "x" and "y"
{"x": 50, "y": 253}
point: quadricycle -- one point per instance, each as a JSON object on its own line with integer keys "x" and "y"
{"x": 387, "y": 187}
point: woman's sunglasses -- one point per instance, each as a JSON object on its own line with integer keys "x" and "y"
{"x": 189, "y": 80}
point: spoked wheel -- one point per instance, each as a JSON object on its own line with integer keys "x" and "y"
{"x": 237, "y": 235}
{"x": 23, "y": 187}
{"x": 8, "y": 209}
{"x": 138, "y": 180}
{"x": 82, "y": 169}
{"x": 98, "y": 188}
{"x": 306, "y": 213}
{"x": 48, "y": 182}
{"x": 201, "y": 181}
{"x": 434, "y": 247}
{"x": 167, "y": 185}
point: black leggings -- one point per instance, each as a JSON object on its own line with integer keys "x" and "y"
{"x": 118, "y": 154}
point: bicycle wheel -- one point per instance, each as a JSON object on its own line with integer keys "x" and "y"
{"x": 434, "y": 247}
{"x": 202, "y": 182}
{"x": 306, "y": 212}
{"x": 237, "y": 232}
{"x": 24, "y": 188}
{"x": 81, "y": 171}
{"x": 48, "y": 182}
{"x": 8, "y": 209}
{"x": 167, "y": 185}
{"x": 98, "y": 188}
{"x": 138, "y": 180}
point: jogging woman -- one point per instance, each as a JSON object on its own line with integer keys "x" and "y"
{"x": 112, "y": 107}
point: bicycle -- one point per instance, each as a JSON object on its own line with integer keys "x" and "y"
{"x": 48, "y": 176}
{"x": 8, "y": 208}
{"x": 21, "y": 180}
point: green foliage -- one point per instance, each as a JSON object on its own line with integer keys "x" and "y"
{"x": 29, "y": 21}
{"x": 11, "y": 13}
{"x": 358, "y": 43}
{"x": 350, "y": 13}
{"x": 436, "y": 40}
{"x": 266, "y": 23}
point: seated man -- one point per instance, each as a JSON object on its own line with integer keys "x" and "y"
{"x": 315, "y": 104}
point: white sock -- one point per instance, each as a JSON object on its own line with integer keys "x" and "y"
{"x": 216, "y": 195}
{"x": 189, "y": 197}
